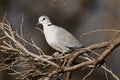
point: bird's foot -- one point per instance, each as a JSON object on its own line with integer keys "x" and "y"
{"x": 57, "y": 54}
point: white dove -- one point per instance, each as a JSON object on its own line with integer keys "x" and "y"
{"x": 57, "y": 37}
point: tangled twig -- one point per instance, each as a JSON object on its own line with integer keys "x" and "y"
{"x": 15, "y": 54}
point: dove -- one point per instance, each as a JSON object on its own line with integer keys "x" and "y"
{"x": 57, "y": 37}
{"x": 60, "y": 39}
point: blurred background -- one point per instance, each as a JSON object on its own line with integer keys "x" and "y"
{"x": 77, "y": 16}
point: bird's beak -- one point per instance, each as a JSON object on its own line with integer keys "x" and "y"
{"x": 37, "y": 24}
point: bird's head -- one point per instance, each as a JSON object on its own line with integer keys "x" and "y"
{"x": 43, "y": 20}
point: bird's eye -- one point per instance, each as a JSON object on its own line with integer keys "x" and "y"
{"x": 43, "y": 19}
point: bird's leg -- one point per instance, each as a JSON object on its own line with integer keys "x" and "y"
{"x": 57, "y": 54}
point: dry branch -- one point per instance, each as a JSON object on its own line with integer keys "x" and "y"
{"x": 15, "y": 54}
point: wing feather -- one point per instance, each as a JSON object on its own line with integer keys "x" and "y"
{"x": 65, "y": 38}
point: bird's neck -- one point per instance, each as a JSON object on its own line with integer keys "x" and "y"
{"x": 47, "y": 25}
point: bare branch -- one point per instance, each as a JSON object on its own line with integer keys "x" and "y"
{"x": 17, "y": 55}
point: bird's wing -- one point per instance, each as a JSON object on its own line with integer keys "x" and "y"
{"x": 66, "y": 39}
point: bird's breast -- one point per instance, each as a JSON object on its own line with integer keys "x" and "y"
{"x": 50, "y": 35}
